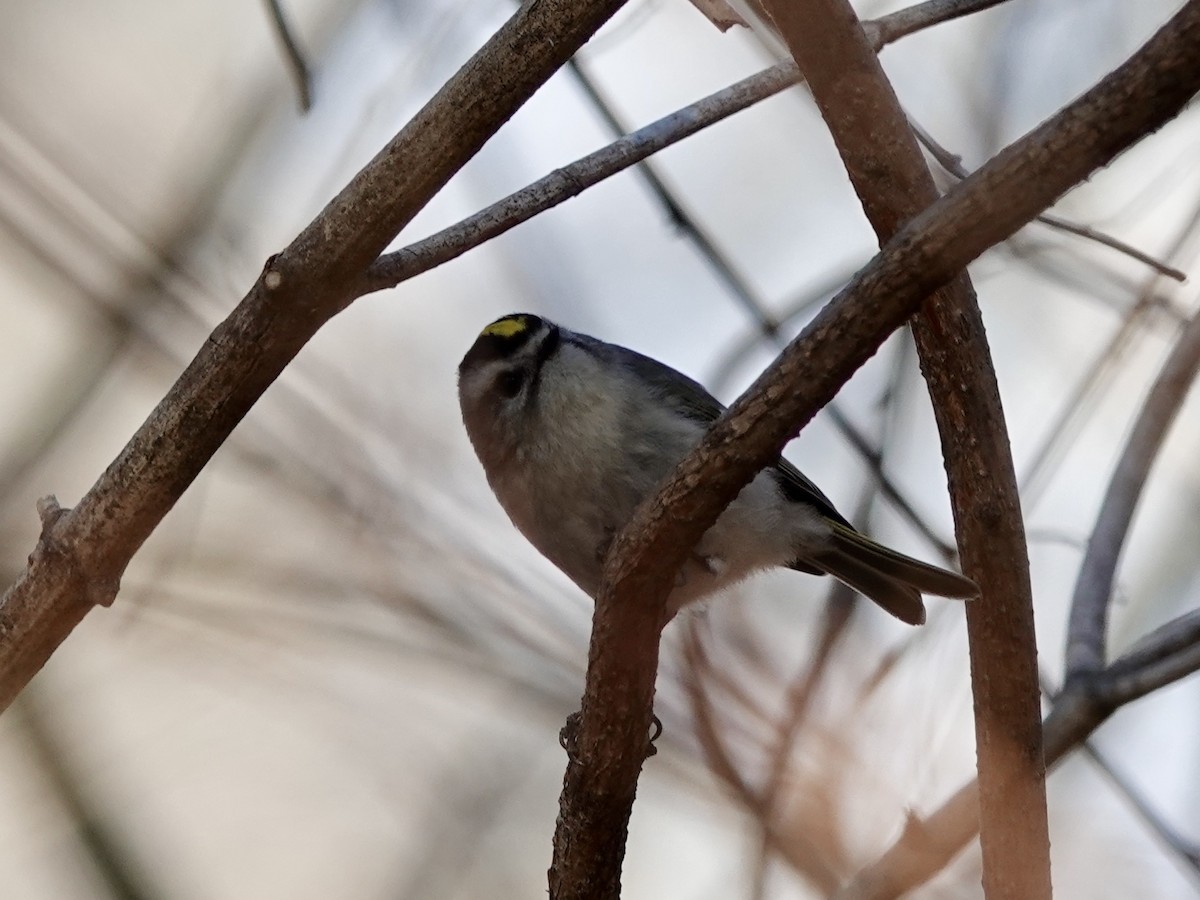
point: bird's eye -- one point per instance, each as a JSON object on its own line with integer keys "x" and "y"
{"x": 510, "y": 382}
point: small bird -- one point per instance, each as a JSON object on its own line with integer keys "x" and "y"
{"x": 573, "y": 433}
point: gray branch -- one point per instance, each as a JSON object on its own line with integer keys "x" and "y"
{"x": 1088, "y": 624}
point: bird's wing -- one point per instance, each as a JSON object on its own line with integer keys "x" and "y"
{"x": 693, "y": 401}
{"x": 689, "y": 397}
{"x": 797, "y": 488}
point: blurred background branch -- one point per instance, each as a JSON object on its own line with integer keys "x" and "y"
{"x": 335, "y": 662}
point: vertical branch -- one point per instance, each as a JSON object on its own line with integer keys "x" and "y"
{"x": 927, "y": 252}
{"x": 608, "y": 749}
{"x": 1089, "y": 696}
{"x": 889, "y": 174}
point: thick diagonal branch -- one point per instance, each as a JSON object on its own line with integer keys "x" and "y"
{"x": 83, "y": 551}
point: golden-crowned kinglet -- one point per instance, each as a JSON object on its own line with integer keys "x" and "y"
{"x": 573, "y": 433}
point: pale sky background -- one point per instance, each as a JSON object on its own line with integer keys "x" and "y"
{"x": 336, "y": 670}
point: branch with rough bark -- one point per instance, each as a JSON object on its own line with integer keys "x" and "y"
{"x": 82, "y": 552}
{"x": 884, "y": 161}
{"x": 631, "y": 149}
{"x": 1093, "y": 691}
{"x": 600, "y": 783}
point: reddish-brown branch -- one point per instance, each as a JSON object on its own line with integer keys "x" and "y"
{"x": 888, "y": 172}
{"x": 814, "y": 863}
{"x": 1092, "y": 691}
{"x": 1170, "y": 653}
{"x": 601, "y": 778}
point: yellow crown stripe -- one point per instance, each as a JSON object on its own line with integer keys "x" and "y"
{"x": 507, "y": 327}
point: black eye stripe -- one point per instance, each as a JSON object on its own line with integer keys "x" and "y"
{"x": 509, "y": 382}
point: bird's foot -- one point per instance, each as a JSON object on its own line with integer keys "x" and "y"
{"x": 711, "y": 563}
{"x": 656, "y": 731}
{"x": 568, "y": 735}
{"x": 602, "y": 548}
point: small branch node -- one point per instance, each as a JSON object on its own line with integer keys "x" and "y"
{"x": 272, "y": 278}
{"x": 96, "y": 590}
{"x": 568, "y": 735}
{"x": 49, "y": 512}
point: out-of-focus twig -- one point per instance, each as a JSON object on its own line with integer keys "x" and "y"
{"x": 1088, "y": 623}
{"x": 97, "y": 828}
{"x": 297, "y": 65}
{"x": 839, "y": 608}
{"x": 82, "y": 553}
{"x": 1186, "y": 852}
{"x": 1091, "y": 691}
{"x": 812, "y": 861}
{"x": 952, "y": 163}
{"x": 1102, "y": 370}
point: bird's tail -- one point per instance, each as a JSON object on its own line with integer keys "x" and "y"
{"x": 893, "y": 580}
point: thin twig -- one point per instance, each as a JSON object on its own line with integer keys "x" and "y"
{"x": 915, "y": 18}
{"x": 571, "y": 180}
{"x": 1099, "y": 237}
{"x": 1102, "y": 370}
